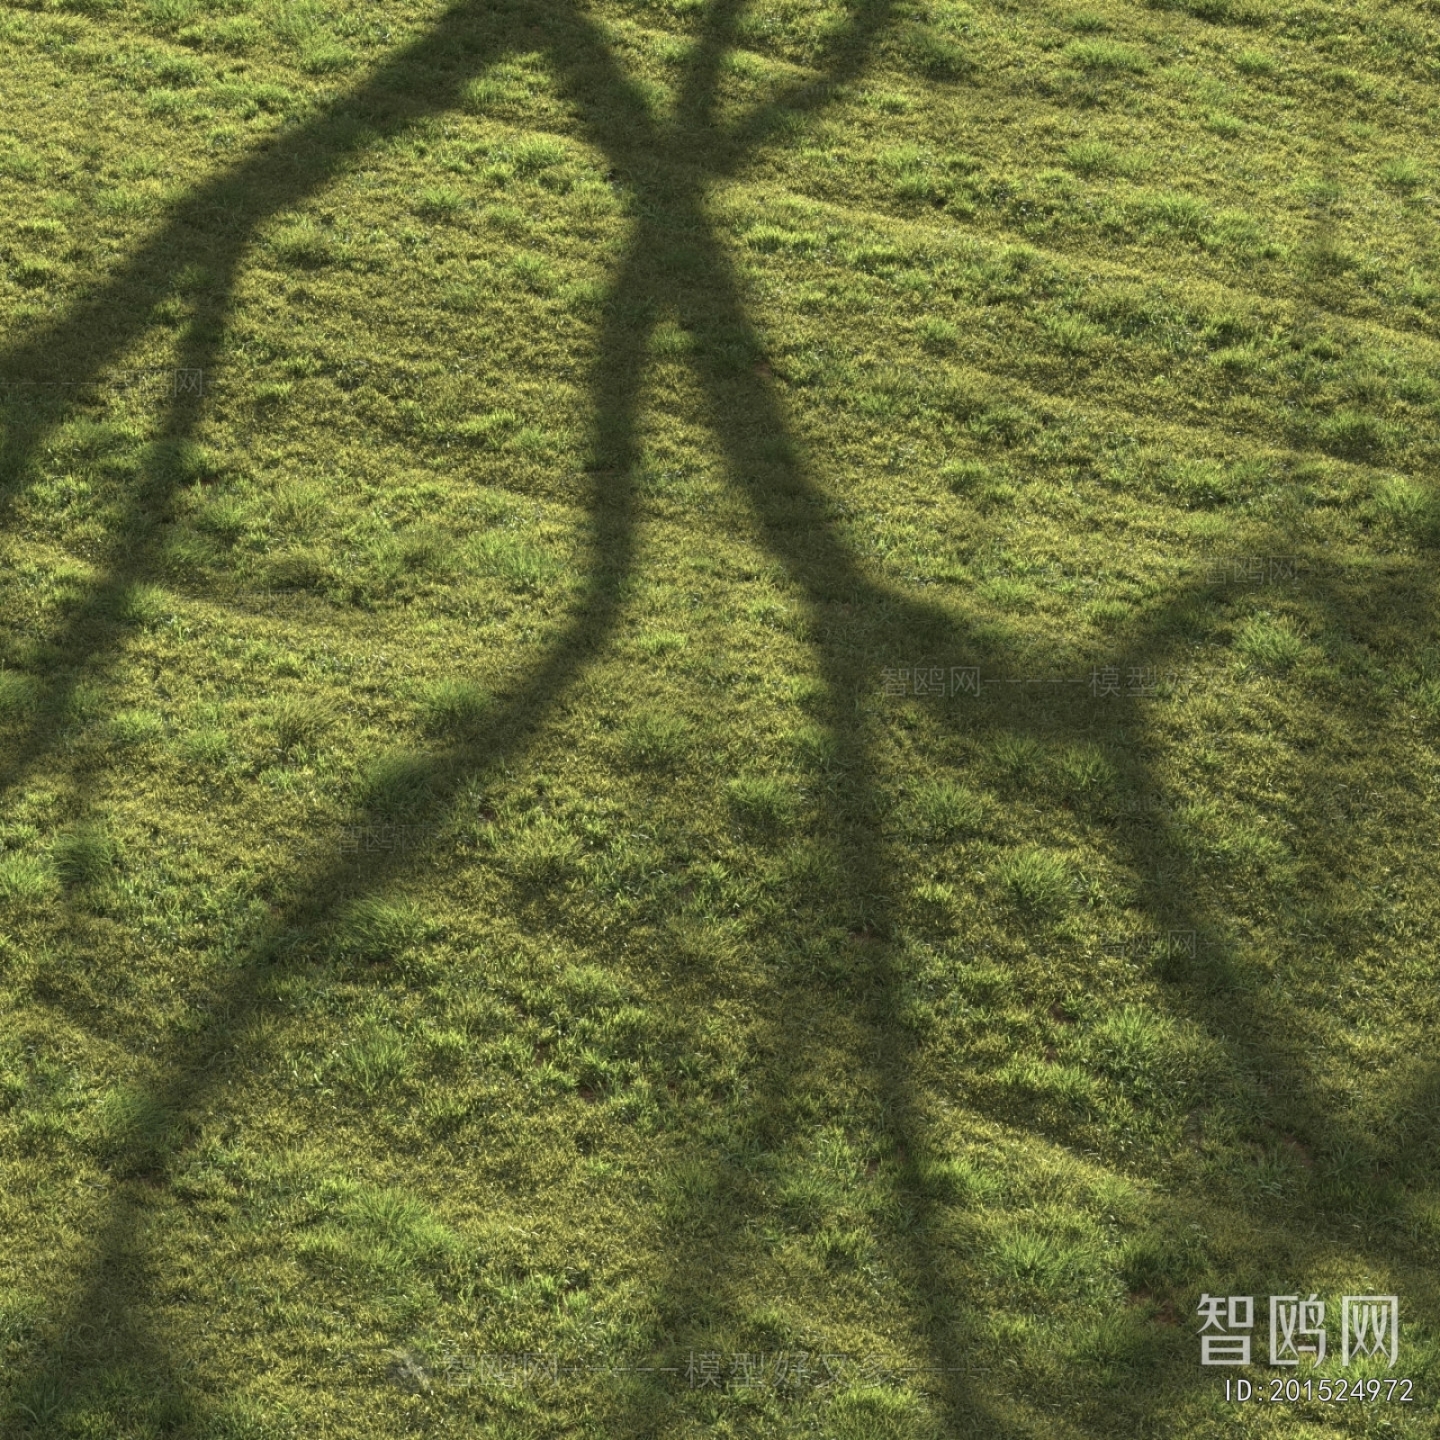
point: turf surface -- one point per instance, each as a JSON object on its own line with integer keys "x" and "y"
{"x": 714, "y": 719}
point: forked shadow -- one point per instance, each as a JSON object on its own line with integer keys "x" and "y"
{"x": 746, "y": 417}
{"x": 99, "y": 330}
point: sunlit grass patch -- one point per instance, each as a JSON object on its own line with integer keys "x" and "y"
{"x": 491, "y": 430}
{"x": 455, "y": 708}
{"x": 1356, "y": 434}
{"x": 1086, "y": 770}
{"x": 366, "y": 1235}
{"x": 938, "y": 336}
{"x": 534, "y": 272}
{"x": 542, "y": 853}
{"x": 147, "y": 605}
{"x": 209, "y": 749}
{"x": 1038, "y": 1263}
{"x": 866, "y": 1413}
{"x": 1017, "y": 756}
{"x": 1255, "y": 62}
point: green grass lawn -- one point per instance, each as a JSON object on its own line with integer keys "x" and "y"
{"x": 715, "y": 719}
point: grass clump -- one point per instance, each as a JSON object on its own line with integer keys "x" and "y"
{"x": 145, "y": 605}
{"x": 1256, "y": 62}
{"x": 943, "y": 810}
{"x": 24, "y": 879}
{"x": 1038, "y": 1263}
{"x": 1018, "y": 757}
{"x": 18, "y": 694}
{"x": 327, "y": 59}
{"x": 441, "y": 202}
{"x": 82, "y": 857}
{"x": 938, "y": 336}
{"x": 522, "y": 565}
{"x": 209, "y": 748}
{"x": 938, "y": 56}
{"x": 298, "y": 721}
{"x": 134, "y": 1131}
{"x": 132, "y": 728}
{"x": 542, "y": 854}
{"x": 761, "y": 802}
{"x": 1037, "y": 881}
{"x": 1410, "y": 507}
{"x": 375, "y": 930}
{"x": 1402, "y": 173}
{"x": 397, "y": 785}
{"x": 1086, "y": 770}
{"x": 657, "y": 741}
{"x": 303, "y": 245}
{"x": 967, "y": 477}
{"x": 1106, "y": 57}
{"x": 1356, "y": 434}
{"x": 373, "y": 1064}
{"x": 1271, "y": 642}
{"x": 456, "y": 708}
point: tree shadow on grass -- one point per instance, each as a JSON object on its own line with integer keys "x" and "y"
{"x": 97, "y": 332}
{"x": 213, "y": 229}
{"x": 1219, "y": 989}
{"x": 675, "y": 258}
{"x": 1216, "y": 990}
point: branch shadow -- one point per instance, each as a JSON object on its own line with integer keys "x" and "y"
{"x": 212, "y": 228}
{"x": 1217, "y": 990}
{"x": 673, "y": 238}
{"x": 61, "y": 1384}
{"x": 188, "y": 1078}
